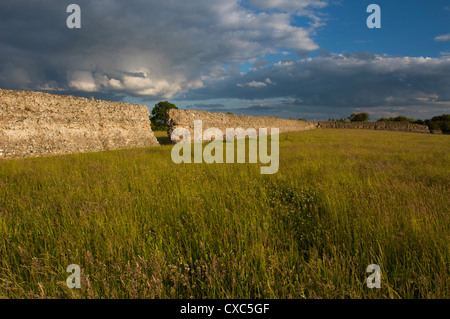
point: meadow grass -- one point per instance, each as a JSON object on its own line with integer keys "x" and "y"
{"x": 141, "y": 226}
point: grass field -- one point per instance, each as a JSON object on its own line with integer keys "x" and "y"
{"x": 141, "y": 226}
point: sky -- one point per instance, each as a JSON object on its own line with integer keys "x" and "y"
{"x": 312, "y": 59}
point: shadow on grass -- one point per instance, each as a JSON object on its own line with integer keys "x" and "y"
{"x": 162, "y": 137}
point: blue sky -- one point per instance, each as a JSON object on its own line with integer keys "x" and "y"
{"x": 313, "y": 59}
{"x": 408, "y": 28}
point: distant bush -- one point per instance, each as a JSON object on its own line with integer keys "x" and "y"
{"x": 396, "y": 119}
{"x": 337, "y": 120}
{"x": 359, "y": 117}
{"x": 441, "y": 123}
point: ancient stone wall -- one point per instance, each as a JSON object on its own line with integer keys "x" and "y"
{"x": 388, "y": 126}
{"x": 39, "y": 124}
{"x": 185, "y": 119}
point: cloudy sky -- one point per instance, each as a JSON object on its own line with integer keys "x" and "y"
{"x": 290, "y": 58}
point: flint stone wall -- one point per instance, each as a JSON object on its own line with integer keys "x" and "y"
{"x": 185, "y": 119}
{"x": 39, "y": 124}
{"x": 387, "y": 126}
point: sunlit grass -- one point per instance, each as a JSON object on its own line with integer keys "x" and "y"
{"x": 141, "y": 226}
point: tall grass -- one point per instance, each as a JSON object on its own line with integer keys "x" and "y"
{"x": 141, "y": 226}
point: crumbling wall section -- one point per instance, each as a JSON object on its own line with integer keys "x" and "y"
{"x": 185, "y": 119}
{"x": 387, "y": 126}
{"x": 39, "y": 124}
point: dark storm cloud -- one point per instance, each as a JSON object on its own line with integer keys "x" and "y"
{"x": 138, "y": 47}
{"x": 347, "y": 80}
{"x": 205, "y": 106}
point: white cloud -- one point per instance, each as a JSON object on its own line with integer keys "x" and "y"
{"x": 252, "y": 84}
{"x": 443, "y": 38}
{"x": 255, "y": 84}
{"x": 82, "y": 81}
{"x": 287, "y": 4}
{"x": 112, "y": 83}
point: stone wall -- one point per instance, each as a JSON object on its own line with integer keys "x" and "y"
{"x": 185, "y": 119}
{"x": 387, "y": 126}
{"x": 39, "y": 124}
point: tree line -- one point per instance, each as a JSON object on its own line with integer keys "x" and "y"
{"x": 437, "y": 123}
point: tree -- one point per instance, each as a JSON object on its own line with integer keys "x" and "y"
{"x": 360, "y": 117}
{"x": 441, "y": 123}
{"x": 158, "y": 118}
{"x": 396, "y": 119}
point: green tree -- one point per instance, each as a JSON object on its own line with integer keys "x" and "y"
{"x": 359, "y": 117}
{"x": 158, "y": 117}
{"x": 396, "y": 119}
{"x": 441, "y": 123}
